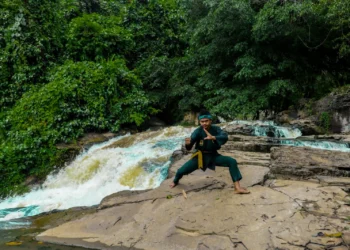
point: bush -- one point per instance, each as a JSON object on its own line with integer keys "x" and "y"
{"x": 80, "y": 97}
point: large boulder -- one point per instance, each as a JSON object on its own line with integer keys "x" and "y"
{"x": 238, "y": 129}
{"x": 330, "y": 114}
{"x": 303, "y": 162}
{"x": 306, "y": 126}
{"x": 336, "y": 108}
{"x": 190, "y": 118}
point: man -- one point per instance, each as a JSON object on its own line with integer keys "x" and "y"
{"x": 208, "y": 139}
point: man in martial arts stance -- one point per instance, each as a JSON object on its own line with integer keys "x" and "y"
{"x": 208, "y": 139}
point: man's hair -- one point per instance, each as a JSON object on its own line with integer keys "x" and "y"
{"x": 204, "y": 112}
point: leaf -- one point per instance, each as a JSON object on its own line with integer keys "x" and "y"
{"x": 14, "y": 243}
{"x": 334, "y": 235}
{"x": 184, "y": 194}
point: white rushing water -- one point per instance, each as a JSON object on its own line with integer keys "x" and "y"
{"x": 102, "y": 170}
{"x": 278, "y": 131}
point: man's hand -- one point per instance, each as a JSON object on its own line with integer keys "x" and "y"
{"x": 187, "y": 141}
{"x": 209, "y": 136}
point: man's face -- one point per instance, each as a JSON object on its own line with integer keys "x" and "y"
{"x": 205, "y": 123}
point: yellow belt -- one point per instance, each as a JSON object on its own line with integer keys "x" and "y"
{"x": 200, "y": 158}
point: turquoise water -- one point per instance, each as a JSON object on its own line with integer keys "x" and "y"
{"x": 7, "y": 216}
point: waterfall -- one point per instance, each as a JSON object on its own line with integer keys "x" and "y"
{"x": 131, "y": 162}
{"x": 276, "y": 131}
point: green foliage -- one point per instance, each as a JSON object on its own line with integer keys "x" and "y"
{"x": 80, "y": 97}
{"x": 96, "y": 37}
{"x": 157, "y": 27}
{"x": 31, "y": 39}
{"x": 245, "y": 57}
{"x": 338, "y": 16}
{"x": 325, "y": 121}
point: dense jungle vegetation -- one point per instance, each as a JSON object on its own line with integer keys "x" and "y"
{"x": 68, "y": 67}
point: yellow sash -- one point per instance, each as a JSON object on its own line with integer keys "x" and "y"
{"x": 200, "y": 158}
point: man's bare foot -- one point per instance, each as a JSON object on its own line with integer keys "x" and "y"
{"x": 242, "y": 191}
{"x": 172, "y": 185}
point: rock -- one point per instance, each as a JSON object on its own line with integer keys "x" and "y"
{"x": 334, "y": 181}
{"x": 177, "y": 155}
{"x": 311, "y": 197}
{"x": 55, "y": 218}
{"x": 278, "y": 214}
{"x": 254, "y": 146}
{"x": 346, "y": 238}
{"x": 91, "y": 139}
{"x": 286, "y": 116}
{"x": 190, "y": 118}
{"x": 214, "y": 242}
{"x": 303, "y": 162}
{"x": 250, "y": 143}
{"x": 340, "y": 248}
{"x": 312, "y": 246}
{"x": 30, "y": 180}
{"x": 211, "y": 218}
{"x": 331, "y": 114}
{"x": 337, "y": 137}
{"x": 156, "y": 122}
{"x": 306, "y": 126}
{"x": 336, "y": 106}
{"x": 238, "y": 129}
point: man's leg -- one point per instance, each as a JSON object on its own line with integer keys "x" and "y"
{"x": 187, "y": 168}
{"x": 226, "y": 161}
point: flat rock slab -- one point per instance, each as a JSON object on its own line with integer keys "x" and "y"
{"x": 334, "y": 181}
{"x": 278, "y": 214}
{"x": 283, "y": 215}
{"x": 306, "y": 162}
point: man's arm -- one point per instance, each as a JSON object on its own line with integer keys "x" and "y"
{"x": 189, "y": 142}
{"x": 221, "y": 137}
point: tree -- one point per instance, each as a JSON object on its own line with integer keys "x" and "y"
{"x": 31, "y": 41}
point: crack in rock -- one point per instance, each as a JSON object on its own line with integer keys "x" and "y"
{"x": 291, "y": 243}
{"x": 174, "y": 195}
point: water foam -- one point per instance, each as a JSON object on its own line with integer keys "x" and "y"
{"x": 132, "y": 162}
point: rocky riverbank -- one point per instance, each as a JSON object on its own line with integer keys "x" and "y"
{"x": 295, "y": 211}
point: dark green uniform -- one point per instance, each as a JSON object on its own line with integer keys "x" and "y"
{"x": 211, "y": 157}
